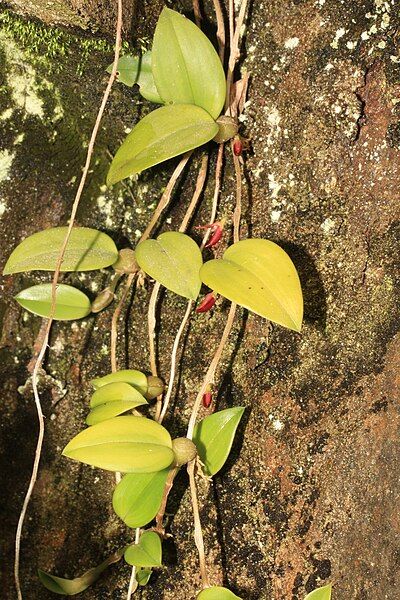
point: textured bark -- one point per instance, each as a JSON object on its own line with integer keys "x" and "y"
{"x": 311, "y": 491}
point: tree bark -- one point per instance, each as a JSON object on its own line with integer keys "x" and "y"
{"x": 311, "y": 490}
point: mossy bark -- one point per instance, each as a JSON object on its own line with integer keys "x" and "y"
{"x": 311, "y": 490}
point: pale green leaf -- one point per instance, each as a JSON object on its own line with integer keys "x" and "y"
{"x": 323, "y": 593}
{"x": 135, "y": 69}
{"x": 260, "y": 276}
{"x": 128, "y": 444}
{"x": 135, "y": 378}
{"x": 111, "y": 409}
{"x": 164, "y": 133}
{"x": 115, "y": 391}
{"x": 70, "y": 303}
{"x": 70, "y": 587}
{"x": 143, "y": 576}
{"x": 186, "y": 67}
{"x": 137, "y": 497}
{"x": 87, "y": 249}
{"x": 174, "y": 260}
{"x": 217, "y": 593}
{"x": 147, "y": 553}
{"x": 214, "y": 435}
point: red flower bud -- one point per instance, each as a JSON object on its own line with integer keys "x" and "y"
{"x": 207, "y": 399}
{"x": 237, "y": 147}
{"x": 207, "y": 303}
{"x": 214, "y": 239}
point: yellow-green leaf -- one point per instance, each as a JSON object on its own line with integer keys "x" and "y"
{"x": 70, "y": 587}
{"x": 160, "y": 135}
{"x": 111, "y": 409}
{"x": 147, "y": 553}
{"x": 186, "y": 67}
{"x": 143, "y": 576}
{"x": 323, "y": 593}
{"x": 135, "y": 69}
{"x": 260, "y": 276}
{"x": 87, "y": 249}
{"x": 214, "y": 435}
{"x": 115, "y": 391}
{"x": 70, "y": 303}
{"x": 137, "y": 497}
{"x": 135, "y": 378}
{"x": 217, "y": 593}
{"x": 174, "y": 260}
{"x": 128, "y": 444}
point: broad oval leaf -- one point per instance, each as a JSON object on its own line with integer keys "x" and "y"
{"x": 87, "y": 249}
{"x": 217, "y": 593}
{"x": 137, "y": 69}
{"x": 70, "y": 587}
{"x": 214, "y": 435}
{"x": 258, "y": 275}
{"x": 174, "y": 260}
{"x": 160, "y": 135}
{"x": 111, "y": 409}
{"x": 186, "y": 67}
{"x": 128, "y": 444}
{"x": 114, "y": 392}
{"x": 147, "y": 553}
{"x": 137, "y": 498}
{"x": 70, "y": 303}
{"x": 322, "y": 593}
{"x": 143, "y": 576}
{"x": 135, "y": 378}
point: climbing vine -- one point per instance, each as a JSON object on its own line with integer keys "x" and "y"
{"x": 200, "y": 105}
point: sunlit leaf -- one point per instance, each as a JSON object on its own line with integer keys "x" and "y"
{"x": 87, "y": 249}
{"x": 214, "y": 435}
{"x": 70, "y": 303}
{"x": 115, "y": 391}
{"x": 186, "y": 67}
{"x": 135, "y": 69}
{"x": 217, "y": 593}
{"x": 160, "y": 135}
{"x": 70, "y": 587}
{"x": 147, "y": 553}
{"x": 128, "y": 444}
{"x": 135, "y": 378}
{"x": 143, "y": 576}
{"x": 260, "y": 276}
{"x": 112, "y": 409}
{"x": 137, "y": 497}
{"x": 322, "y": 593}
{"x": 174, "y": 260}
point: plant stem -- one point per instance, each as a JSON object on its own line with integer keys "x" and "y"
{"x": 234, "y": 51}
{"x": 115, "y": 319}
{"x": 220, "y": 29}
{"x": 42, "y": 352}
{"x": 161, "y": 511}
{"x": 133, "y": 584}
{"x": 201, "y": 178}
{"x": 198, "y": 533}
{"x": 197, "y": 13}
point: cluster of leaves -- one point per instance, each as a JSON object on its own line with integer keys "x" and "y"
{"x": 184, "y": 74}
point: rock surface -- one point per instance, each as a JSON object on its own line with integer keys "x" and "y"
{"x": 311, "y": 491}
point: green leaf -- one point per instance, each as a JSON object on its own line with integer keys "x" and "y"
{"x": 217, "y": 593}
{"x": 323, "y": 593}
{"x": 135, "y": 69}
{"x": 260, "y": 276}
{"x": 214, "y": 435}
{"x": 70, "y": 587}
{"x": 174, "y": 260}
{"x": 87, "y": 249}
{"x": 137, "y": 498}
{"x": 135, "y": 378}
{"x": 164, "y": 133}
{"x": 70, "y": 303}
{"x": 128, "y": 444}
{"x": 147, "y": 553}
{"x": 111, "y": 409}
{"x": 186, "y": 67}
{"x": 143, "y": 576}
{"x": 115, "y": 391}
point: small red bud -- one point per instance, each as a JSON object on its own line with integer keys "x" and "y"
{"x": 207, "y": 399}
{"x": 215, "y": 238}
{"x": 237, "y": 147}
{"x": 207, "y": 303}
